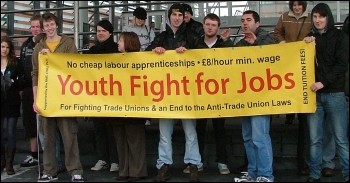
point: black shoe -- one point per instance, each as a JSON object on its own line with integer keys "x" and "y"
{"x": 163, "y": 174}
{"x": 194, "y": 177}
{"x": 311, "y": 179}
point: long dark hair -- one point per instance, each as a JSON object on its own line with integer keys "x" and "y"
{"x": 11, "y": 57}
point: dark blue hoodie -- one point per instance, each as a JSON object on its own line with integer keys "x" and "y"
{"x": 332, "y": 53}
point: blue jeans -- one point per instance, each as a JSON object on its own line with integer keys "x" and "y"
{"x": 165, "y": 149}
{"x": 258, "y": 147}
{"x": 332, "y": 105}
{"x": 328, "y": 147}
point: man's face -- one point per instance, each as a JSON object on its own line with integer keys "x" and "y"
{"x": 210, "y": 27}
{"x": 35, "y": 27}
{"x": 319, "y": 21}
{"x": 176, "y": 19}
{"x": 248, "y": 23}
{"x": 102, "y": 34}
{"x": 187, "y": 17}
{"x": 50, "y": 27}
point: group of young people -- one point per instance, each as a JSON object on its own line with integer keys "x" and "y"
{"x": 182, "y": 33}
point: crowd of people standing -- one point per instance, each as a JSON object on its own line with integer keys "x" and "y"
{"x": 121, "y": 141}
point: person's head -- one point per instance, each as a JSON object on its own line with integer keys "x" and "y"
{"x": 140, "y": 16}
{"x": 49, "y": 24}
{"x": 104, "y": 30}
{"x": 8, "y": 50}
{"x": 129, "y": 42}
{"x": 211, "y": 24}
{"x": 188, "y": 12}
{"x": 298, "y": 7}
{"x": 35, "y": 26}
{"x": 322, "y": 18}
{"x": 176, "y": 15}
{"x": 250, "y": 21}
{"x": 152, "y": 25}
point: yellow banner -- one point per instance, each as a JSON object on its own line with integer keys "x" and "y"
{"x": 200, "y": 83}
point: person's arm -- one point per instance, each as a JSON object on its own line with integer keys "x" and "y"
{"x": 157, "y": 42}
{"x": 341, "y": 58}
{"x": 35, "y": 108}
{"x": 34, "y": 73}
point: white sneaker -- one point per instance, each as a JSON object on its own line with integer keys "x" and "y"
{"x": 223, "y": 169}
{"x": 30, "y": 161}
{"x": 77, "y": 178}
{"x": 100, "y": 165}
{"x": 263, "y": 179}
{"x": 244, "y": 178}
{"x": 114, "y": 167}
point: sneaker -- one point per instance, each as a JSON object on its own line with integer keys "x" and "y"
{"x": 163, "y": 174}
{"x": 30, "y": 161}
{"x": 263, "y": 179}
{"x": 114, "y": 167}
{"x": 244, "y": 178}
{"x": 77, "y": 178}
{"x": 187, "y": 169}
{"x": 47, "y": 178}
{"x": 223, "y": 169}
{"x": 100, "y": 165}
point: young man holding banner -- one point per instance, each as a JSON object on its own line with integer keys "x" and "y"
{"x": 68, "y": 126}
{"x": 332, "y": 56}
{"x": 255, "y": 129}
{"x": 175, "y": 37}
{"x": 211, "y": 26}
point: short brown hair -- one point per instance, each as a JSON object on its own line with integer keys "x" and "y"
{"x": 131, "y": 41}
{"x": 47, "y": 17}
{"x": 213, "y": 17}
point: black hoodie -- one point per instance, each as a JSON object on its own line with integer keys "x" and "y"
{"x": 332, "y": 53}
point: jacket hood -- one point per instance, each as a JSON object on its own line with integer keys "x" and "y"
{"x": 323, "y": 8}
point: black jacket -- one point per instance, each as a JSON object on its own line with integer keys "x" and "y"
{"x": 195, "y": 27}
{"x": 25, "y": 63}
{"x": 332, "y": 54}
{"x": 108, "y": 46}
{"x": 12, "y": 102}
{"x": 220, "y": 43}
{"x": 170, "y": 41}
